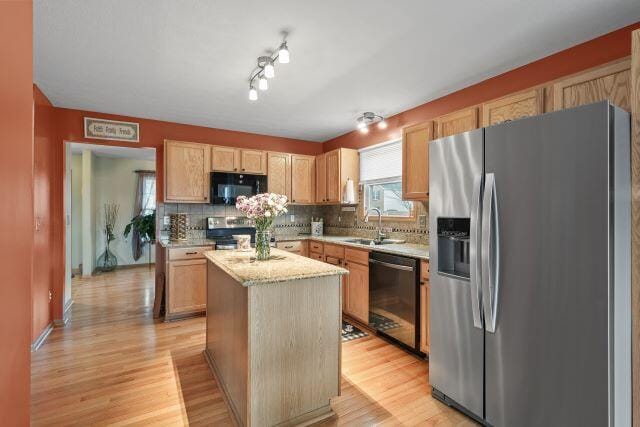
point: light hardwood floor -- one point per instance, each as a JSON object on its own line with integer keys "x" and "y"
{"x": 114, "y": 365}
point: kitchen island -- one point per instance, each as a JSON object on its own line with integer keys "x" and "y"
{"x": 273, "y": 335}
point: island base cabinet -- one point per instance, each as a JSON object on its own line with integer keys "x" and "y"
{"x": 186, "y": 288}
{"x": 275, "y": 348}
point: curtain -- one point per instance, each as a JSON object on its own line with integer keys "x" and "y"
{"x": 145, "y": 203}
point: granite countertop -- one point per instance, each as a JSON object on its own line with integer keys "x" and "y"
{"x": 186, "y": 243}
{"x": 414, "y": 250}
{"x": 281, "y": 267}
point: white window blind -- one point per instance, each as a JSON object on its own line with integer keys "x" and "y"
{"x": 381, "y": 161}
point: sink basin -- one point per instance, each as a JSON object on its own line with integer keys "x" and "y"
{"x": 370, "y": 242}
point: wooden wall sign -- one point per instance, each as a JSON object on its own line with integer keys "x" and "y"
{"x": 111, "y": 129}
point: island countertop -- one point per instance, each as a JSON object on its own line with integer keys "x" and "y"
{"x": 282, "y": 266}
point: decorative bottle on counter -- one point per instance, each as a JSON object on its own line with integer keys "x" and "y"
{"x": 263, "y": 249}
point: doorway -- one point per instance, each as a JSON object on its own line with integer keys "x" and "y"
{"x": 110, "y": 203}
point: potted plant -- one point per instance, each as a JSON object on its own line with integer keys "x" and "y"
{"x": 108, "y": 261}
{"x": 263, "y": 209}
{"x": 145, "y": 226}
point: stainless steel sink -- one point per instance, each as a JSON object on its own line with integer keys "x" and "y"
{"x": 370, "y": 242}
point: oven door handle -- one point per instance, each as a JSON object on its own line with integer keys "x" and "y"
{"x": 394, "y": 266}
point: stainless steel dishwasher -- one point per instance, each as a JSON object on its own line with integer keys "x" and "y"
{"x": 394, "y": 299}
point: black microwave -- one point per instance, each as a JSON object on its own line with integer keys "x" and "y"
{"x": 225, "y": 187}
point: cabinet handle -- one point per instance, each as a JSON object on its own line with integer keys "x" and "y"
{"x": 191, "y": 253}
{"x": 346, "y": 263}
{"x": 288, "y": 247}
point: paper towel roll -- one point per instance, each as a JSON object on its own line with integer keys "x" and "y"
{"x": 349, "y": 192}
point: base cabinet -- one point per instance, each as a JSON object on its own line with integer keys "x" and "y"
{"x": 186, "y": 282}
{"x": 298, "y": 247}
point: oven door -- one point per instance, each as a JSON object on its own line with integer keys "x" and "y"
{"x": 226, "y": 187}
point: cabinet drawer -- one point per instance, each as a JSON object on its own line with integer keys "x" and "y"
{"x": 317, "y": 256}
{"x": 188, "y": 253}
{"x": 333, "y": 260}
{"x": 316, "y": 247}
{"x": 334, "y": 251}
{"x": 290, "y": 246}
{"x": 424, "y": 271}
{"x": 356, "y": 255}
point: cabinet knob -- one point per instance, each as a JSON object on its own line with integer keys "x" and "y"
{"x": 243, "y": 169}
{"x": 235, "y": 169}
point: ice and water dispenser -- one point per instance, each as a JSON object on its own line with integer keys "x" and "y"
{"x": 453, "y": 247}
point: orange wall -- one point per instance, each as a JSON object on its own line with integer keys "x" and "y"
{"x": 69, "y": 126}
{"x": 601, "y": 50}
{"x": 16, "y": 208}
{"x": 44, "y": 139}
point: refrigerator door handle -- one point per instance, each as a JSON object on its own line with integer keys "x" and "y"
{"x": 490, "y": 253}
{"x": 475, "y": 279}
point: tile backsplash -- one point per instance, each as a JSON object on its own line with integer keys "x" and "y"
{"x": 338, "y": 220}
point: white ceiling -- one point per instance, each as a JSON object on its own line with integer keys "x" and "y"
{"x": 115, "y": 152}
{"x": 188, "y": 62}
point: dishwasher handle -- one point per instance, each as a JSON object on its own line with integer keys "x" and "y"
{"x": 394, "y": 266}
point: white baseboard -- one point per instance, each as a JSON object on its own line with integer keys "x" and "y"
{"x": 43, "y": 336}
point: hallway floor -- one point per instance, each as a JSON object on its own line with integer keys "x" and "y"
{"x": 113, "y": 364}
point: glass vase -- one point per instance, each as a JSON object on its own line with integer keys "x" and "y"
{"x": 263, "y": 250}
{"x": 107, "y": 261}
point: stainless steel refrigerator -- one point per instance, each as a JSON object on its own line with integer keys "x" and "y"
{"x": 530, "y": 246}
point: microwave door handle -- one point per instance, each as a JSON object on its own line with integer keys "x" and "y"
{"x": 490, "y": 253}
{"x": 475, "y": 279}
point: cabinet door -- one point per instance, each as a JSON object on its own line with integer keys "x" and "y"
{"x": 225, "y": 159}
{"x": 513, "y": 107}
{"x": 415, "y": 161}
{"x": 186, "y": 291}
{"x": 424, "y": 318}
{"x": 186, "y": 172}
{"x": 357, "y": 281}
{"x": 332, "y": 168}
{"x": 253, "y": 161}
{"x": 279, "y": 177}
{"x": 457, "y": 122}
{"x": 321, "y": 179}
{"x": 612, "y": 82}
{"x": 302, "y": 179}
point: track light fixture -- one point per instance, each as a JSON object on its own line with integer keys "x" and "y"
{"x": 265, "y": 70}
{"x": 368, "y": 118}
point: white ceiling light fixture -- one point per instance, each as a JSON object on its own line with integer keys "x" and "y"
{"x": 265, "y": 69}
{"x": 368, "y": 118}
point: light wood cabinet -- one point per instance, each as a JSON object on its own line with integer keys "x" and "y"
{"x": 336, "y": 167}
{"x": 321, "y": 179}
{"x": 253, "y": 162}
{"x": 513, "y": 107}
{"x": 225, "y": 159}
{"x": 186, "y": 290}
{"x": 279, "y": 177}
{"x": 235, "y": 160}
{"x": 298, "y": 247}
{"x": 424, "y": 306}
{"x": 612, "y": 82}
{"x": 186, "y": 172}
{"x": 415, "y": 161}
{"x": 357, "y": 291}
{"x": 303, "y": 176}
{"x": 457, "y": 122}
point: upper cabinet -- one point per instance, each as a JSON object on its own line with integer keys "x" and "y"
{"x": 253, "y": 161}
{"x": 321, "y": 179}
{"x": 456, "y": 122}
{"x": 333, "y": 170}
{"x": 303, "y": 179}
{"x": 512, "y": 107}
{"x": 186, "y": 172}
{"x": 279, "y": 178}
{"x": 225, "y": 159}
{"x": 415, "y": 161}
{"x": 235, "y": 160}
{"x": 292, "y": 175}
{"x": 612, "y": 82}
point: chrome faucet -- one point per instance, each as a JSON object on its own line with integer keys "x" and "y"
{"x": 381, "y": 235}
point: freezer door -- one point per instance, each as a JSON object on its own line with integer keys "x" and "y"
{"x": 547, "y": 298}
{"x": 456, "y": 345}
